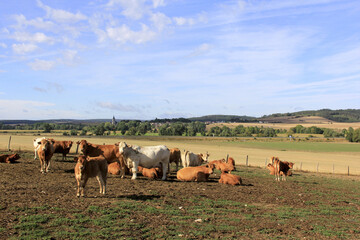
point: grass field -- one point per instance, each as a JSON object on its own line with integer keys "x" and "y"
{"x": 325, "y": 156}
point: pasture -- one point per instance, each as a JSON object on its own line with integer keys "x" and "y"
{"x": 45, "y": 206}
{"x": 323, "y": 157}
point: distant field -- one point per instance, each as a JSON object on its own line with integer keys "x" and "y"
{"x": 332, "y": 157}
{"x": 289, "y": 123}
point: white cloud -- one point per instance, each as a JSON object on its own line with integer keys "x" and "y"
{"x": 118, "y": 107}
{"x": 41, "y": 65}
{"x": 133, "y": 9}
{"x": 124, "y": 34}
{"x": 60, "y": 15}
{"x": 38, "y": 23}
{"x": 158, "y": 3}
{"x": 23, "y": 48}
{"x": 3, "y": 45}
{"x": 184, "y": 21}
{"x": 35, "y": 38}
{"x": 160, "y": 20}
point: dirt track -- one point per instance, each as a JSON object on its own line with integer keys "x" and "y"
{"x": 23, "y": 186}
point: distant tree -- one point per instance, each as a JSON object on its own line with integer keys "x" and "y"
{"x": 99, "y": 130}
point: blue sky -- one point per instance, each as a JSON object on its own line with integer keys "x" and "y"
{"x": 142, "y": 59}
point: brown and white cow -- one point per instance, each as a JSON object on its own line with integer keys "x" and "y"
{"x": 62, "y": 147}
{"x": 109, "y": 152}
{"x": 190, "y": 159}
{"x": 87, "y": 167}
{"x": 282, "y": 169}
{"x": 231, "y": 179}
{"x": 45, "y": 151}
{"x": 36, "y": 145}
{"x": 175, "y": 157}
{"x": 9, "y": 158}
{"x": 197, "y": 174}
{"x": 272, "y": 169}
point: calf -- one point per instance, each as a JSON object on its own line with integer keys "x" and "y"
{"x": 62, "y": 147}
{"x": 86, "y": 168}
{"x": 9, "y": 158}
{"x": 152, "y": 173}
{"x": 227, "y": 178}
{"x": 282, "y": 169}
{"x": 45, "y": 151}
{"x": 197, "y": 174}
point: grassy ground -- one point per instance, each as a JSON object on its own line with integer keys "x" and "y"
{"x": 307, "y": 205}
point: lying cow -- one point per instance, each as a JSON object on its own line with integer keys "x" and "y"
{"x": 45, "y": 151}
{"x": 87, "y": 167}
{"x": 197, "y": 174}
{"x": 62, "y": 147}
{"x": 191, "y": 159}
{"x": 231, "y": 179}
{"x": 152, "y": 173}
{"x": 9, "y": 158}
{"x": 109, "y": 152}
{"x": 148, "y": 157}
{"x": 222, "y": 165}
{"x": 175, "y": 157}
{"x": 282, "y": 169}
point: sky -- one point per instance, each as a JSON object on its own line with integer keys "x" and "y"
{"x": 147, "y": 59}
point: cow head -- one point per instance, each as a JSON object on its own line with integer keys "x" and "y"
{"x": 15, "y": 156}
{"x": 205, "y": 157}
{"x": 46, "y": 144}
{"x": 69, "y": 144}
{"x": 83, "y": 145}
{"x": 81, "y": 163}
{"x": 290, "y": 164}
{"x": 123, "y": 147}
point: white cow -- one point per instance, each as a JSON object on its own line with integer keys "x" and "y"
{"x": 37, "y": 145}
{"x": 190, "y": 159}
{"x": 148, "y": 157}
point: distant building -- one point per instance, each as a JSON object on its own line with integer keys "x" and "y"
{"x": 113, "y": 121}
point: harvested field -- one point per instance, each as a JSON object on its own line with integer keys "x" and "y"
{"x": 35, "y": 205}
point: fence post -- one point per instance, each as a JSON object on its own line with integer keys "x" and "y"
{"x": 333, "y": 168}
{"x": 9, "y": 144}
{"x": 227, "y": 157}
{"x": 348, "y": 170}
{"x": 317, "y": 168}
{"x": 77, "y": 148}
{"x": 247, "y": 160}
{"x": 301, "y": 166}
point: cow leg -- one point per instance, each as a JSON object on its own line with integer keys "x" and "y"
{"x": 82, "y": 186}
{"x": 35, "y": 156}
{"x": 164, "y": 169}
{"x": 42, "y": 166}
{"x": 134, "y": 169}
{"x": 177, "y": 165}
{"x": 101, "y": 183}
{"x": 47, "y": 165}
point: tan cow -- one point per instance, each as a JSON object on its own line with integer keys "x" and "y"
{"x": 62, "y": 147}
{"x": 86, "y": 168}
{"x": 282, "y": 169}
{"x": 45, "y": 151}
{"x": 109, "y": 152}
{"x": 222, "y": 165}
{"x": 231, "y": 179}
{"x": 9, "y": 158}
{"x": 175, "y": 157}
{"x": 197, "y": 174}
{"x": 152, "y": 173}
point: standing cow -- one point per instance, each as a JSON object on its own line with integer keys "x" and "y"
{"x": 86, "y": 168}
{"x": 45, "y": 151}
{"x": 62, "y": 147}
{"x": 148, "y": 157}
{"x": 36, "y": 145}
{"x": 175, "y": 156}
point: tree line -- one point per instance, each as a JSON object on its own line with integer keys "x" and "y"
{"x": 137, "y": 127}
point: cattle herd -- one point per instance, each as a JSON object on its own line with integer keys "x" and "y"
{"x": 153, "y": 162}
